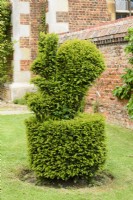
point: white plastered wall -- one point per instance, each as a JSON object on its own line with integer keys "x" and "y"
{"x": 53, "y": 7}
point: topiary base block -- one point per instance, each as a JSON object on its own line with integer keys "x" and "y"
{"x": 67, "y": 148}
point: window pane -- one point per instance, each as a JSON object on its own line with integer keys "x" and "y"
{"x": 131, "y": 4}
{"x": 121, "y": 5}
{"x": 121, "y": 15}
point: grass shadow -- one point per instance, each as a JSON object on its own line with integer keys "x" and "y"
{"x": 104, "y": 178}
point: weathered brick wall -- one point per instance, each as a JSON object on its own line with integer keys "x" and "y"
{"x": 109, "y": 38}
{"x": 84, "y": 13}
{"x": 36, "y": 12}
{"x": 87, "y": 12}
{"x": 111, "y": 107}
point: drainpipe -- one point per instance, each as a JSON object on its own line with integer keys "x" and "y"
{"x": 111, "y": 9}
{"x": 129, "y": 7}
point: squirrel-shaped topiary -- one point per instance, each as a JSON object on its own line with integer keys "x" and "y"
{"x": 64, "y": 73}
{"x": 62, "y": 143}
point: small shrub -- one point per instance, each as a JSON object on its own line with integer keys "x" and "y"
{"x": 68, "y": 148}
{"x": 21, "y": 101}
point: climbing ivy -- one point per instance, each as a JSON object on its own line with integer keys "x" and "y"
{"x": 5, "y": 41}
{"x": 43, "y": 25}
{"x": 126, "y": 90}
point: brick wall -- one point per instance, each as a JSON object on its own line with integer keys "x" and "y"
{"x": 109, "y": 38}
{"x": 36, "y": 8}
{"x": 83, "y": 13}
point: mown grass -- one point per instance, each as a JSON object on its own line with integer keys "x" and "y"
{"x": 14, "y": 159}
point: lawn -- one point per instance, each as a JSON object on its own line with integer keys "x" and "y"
{"x": 14, "y": 159}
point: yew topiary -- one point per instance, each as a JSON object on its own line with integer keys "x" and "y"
{"x": 63, "y": 144}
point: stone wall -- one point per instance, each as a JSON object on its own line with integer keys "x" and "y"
{"x": 109, "y": 38}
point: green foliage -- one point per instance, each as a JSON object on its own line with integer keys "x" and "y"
{"x": 14, "y": 163}
{"x": 64, "y": 75}
{"x": 5, "y": 41}
{"x": 67, "y": 148}
{"x": 130, "y": 107}
{"x": 21, "y": 101}
{"x": 79, "y": 64}
{"x": 60, "y": 144}
{"x": 126, "y": 90}
{"x": 129, "y": 48}
{"x": 43, "y": 26}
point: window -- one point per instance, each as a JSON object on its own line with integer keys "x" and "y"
{"x": 124, "y": 8}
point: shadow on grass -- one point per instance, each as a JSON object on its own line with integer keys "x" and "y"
{"x": 104, "y": 178}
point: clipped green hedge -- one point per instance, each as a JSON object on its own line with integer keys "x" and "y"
{"x": 68, "y": 148}
{"x": 5, "y": 41}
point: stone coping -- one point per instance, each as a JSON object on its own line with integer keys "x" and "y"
{"x": 105, "y": 33}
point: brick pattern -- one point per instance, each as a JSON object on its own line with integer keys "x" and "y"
{"x": 24, "y": 19}
{"x": 46, "y": 6}
{"x": 25, "y": 65}
{"x": 109, "y": 38}
{"x": 24, "y": 42}
{"x": 35, "y": 19}
{"x": 84, "y": 13}
{"x": 110, "y": 106}
{"x": 62, "y": 17}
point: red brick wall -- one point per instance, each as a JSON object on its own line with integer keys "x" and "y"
{"x": 111, "y": 107}
{"x": 24, "y": 42}
{"x": 36, "y": 8}
{"x": 83, "y": 13}
{"x": 62, "y": 17}
{"x": 109, "y": 38}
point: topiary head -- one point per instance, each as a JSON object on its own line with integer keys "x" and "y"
{"x": 79, "y": 64}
